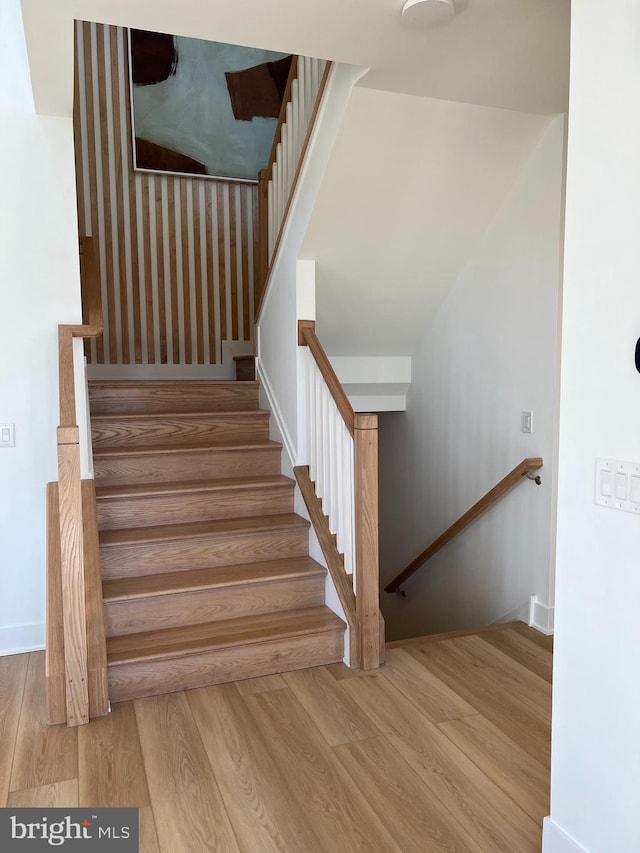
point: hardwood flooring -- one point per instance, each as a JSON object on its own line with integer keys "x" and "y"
{"x": 446, "y": 748}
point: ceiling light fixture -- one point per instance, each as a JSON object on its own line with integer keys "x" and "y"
{"x": 427, "y": 13}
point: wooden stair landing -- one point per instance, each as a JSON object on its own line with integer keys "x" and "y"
{"x": 206, "y": 570}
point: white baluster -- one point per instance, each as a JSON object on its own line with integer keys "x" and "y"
{"x": 309, "y": 94}
{"x": 302, "y": 95}
{"x": 334, "y": 474}
{"x": 278, "y": 182}
{"x": 270, "y": 219}
{"x": 292, "y": 157}
{"x": 319, "y": 459}
{"x": 339, "y": 474}
{"x": 315, "y": 76}
{"x": 295, "y": 125}
{"x": 311, "y": 408}
{"x": 286, "y": 162}
{"x": 326, "y": 427}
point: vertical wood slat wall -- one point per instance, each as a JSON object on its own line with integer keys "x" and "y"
{"x": 176, "y": 254}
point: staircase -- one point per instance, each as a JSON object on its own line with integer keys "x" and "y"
{"x": 206, "y": 571}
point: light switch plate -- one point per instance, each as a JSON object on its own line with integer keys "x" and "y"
{"x": 527, "y": 422}
{"x": 7, "y": 435}
{"x": 618, "y": 485}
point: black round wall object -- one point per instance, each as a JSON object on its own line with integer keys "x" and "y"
{"x": 638, "y": 355}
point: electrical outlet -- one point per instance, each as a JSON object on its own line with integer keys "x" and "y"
{"x": 527, "y": 422}
{"x": 7, "y": 435}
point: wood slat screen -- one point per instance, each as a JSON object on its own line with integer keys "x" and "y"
{"x": 176, "y": 255}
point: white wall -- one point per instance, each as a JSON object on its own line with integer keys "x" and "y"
{"x": 595, "y": 781}
{"x": 39, "y": 282}
{"x": 489, "y": 353}
{"x": 411, "y": 186}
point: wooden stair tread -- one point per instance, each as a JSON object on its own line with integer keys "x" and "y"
{"x": 258, "y": 414}
{"x": 143, "y": 586}
{"x": 183, "y": 384}
{"x": 223, "y": 527}
{"x": 193, "y": 486}
{"x": 200, "y": 447}
{"x": 243, "y": 631}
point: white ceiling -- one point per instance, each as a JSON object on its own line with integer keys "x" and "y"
{"x": 511, "y": 54}
{"x": 411, "y": 186}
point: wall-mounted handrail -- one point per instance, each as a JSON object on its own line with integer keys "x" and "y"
{"x": 77, "y": 575}
{"x": 342, "y": 450}
{"x": 493, "y": 496}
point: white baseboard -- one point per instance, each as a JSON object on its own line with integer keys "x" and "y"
{"x": 276, "y": 412}
{"x": 540, "y": 616}
{"x": 556, "y": 840}
{"x": 16, "y": 639}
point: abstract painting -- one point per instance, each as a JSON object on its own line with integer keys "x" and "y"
{"x": 203, "y": 108}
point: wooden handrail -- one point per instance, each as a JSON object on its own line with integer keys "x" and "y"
{"x": 282, "y": 117}
{"x": 494, "y": 495}
{"x": 333, "y": 559}
{"x": 307, "y": 338}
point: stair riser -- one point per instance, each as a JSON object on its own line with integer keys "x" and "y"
{"x": 246, "y": 369}
{"x": 202, "y": 552}
{"x": 149, "y": 678}
{"x": 117, "y": 470}
{"x": 213, "y": 429}
{"x": 177, "y": 397}
{"x": 211, "y": 605}
{"x": 153, "y": 510}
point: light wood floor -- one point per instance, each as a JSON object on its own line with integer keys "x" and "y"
{"x": 444, "y": 749}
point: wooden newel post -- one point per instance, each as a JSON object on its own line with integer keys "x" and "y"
{"x": 72, "y": 571}
{"x": 366, "y": 535}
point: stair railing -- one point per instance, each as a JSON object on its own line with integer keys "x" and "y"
{"x": 519, "y": 473}
{"x": 342, "y": 451}
{"x": 301, "y": 101}
{"x": 76, "y": 648}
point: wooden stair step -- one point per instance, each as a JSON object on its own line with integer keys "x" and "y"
{"x": 166, "y": 463}
{"x": 223, "y": 527}
{"x": 133, "y": 396}
{"x": 176, "y": 547}
{"x": 147, "y": 504}
{"x": 177, "y": 428}
{"x": 144, "y": 603}
{"x": 173, "y": 659}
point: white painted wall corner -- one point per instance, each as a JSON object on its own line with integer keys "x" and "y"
{"x": 556, "y": 840}
{"x": 17, "y": 639}
{"x": 540, "y": 615}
